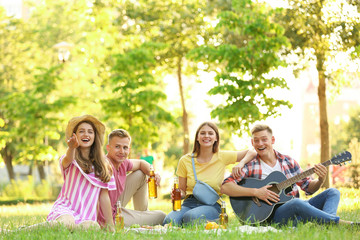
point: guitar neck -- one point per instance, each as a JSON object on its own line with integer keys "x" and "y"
{"x": 297, "y": 178}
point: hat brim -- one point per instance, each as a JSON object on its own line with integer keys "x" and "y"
{"x": 100, "y": 128}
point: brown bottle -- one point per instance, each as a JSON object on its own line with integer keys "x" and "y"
{"x": 177, "y": 195}
{"x": 223, "y": 217}
{"x": 119, "y": 218}
{"x": 152, "y": 184}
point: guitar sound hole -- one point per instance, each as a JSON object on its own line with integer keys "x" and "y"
{"x": 274, "y": 189}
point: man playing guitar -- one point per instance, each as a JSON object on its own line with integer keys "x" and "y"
{"x": 281, "y": 207}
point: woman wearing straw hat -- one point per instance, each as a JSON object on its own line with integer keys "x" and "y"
{"x": 87, "y": 177}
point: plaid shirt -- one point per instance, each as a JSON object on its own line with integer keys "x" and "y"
{"x": 289, "y": 168}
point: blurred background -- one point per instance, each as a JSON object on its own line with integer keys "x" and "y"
{"x": 160, "y": 68}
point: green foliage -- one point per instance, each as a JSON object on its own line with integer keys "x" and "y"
{"x": 25, "y": 190}
{"x": 320, "y": 30}
{"x": 34, "y": 113}
{"x": 353, "y": 173}
{"x": 122, "y": 50}
{"x": 179, "y": 26}
{"x": 136, "y": 98}
{"x": 323, "y": 27}
{"x": 44, "y": 190}
{"x": 343, "y": 133}
{"x": 29, "y": 101}
{"x": 244, "y": 51}
{"x": 19, "y": 189}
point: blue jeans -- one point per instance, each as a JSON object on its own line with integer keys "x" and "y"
{"x": 193, "y": 211}
{"x": 322, "y": 209}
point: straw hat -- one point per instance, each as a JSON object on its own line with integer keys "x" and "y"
{"x": 76, "y": 120}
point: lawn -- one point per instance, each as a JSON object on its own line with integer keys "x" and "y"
{"x": 13, "y": 217}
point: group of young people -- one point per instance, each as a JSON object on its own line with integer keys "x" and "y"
{"x": 94, "y": 182}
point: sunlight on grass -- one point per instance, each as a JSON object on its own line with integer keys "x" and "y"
{"x": 22, "y": 209}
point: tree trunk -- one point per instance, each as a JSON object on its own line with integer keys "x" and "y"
{"x": 7, "y": 156}
{"x": 41, "y": 170}
{"x": 324, "y": 125}
{"x": 30, "y": 172}
{"x": 186, "y": 146}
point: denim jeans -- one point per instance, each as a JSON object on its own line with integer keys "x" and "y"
{"x": 193, "y": 211}
{"x": 322, "y": 209}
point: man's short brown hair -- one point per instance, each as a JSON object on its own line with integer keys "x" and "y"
{"x": 121, "y": 133}
{"x": 261, "y": 127}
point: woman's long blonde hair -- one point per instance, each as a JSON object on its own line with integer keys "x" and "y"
{"x": 96, "y": 158}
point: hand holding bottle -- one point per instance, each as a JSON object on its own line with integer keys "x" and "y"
{"x": 152, "y": 184}
{"x": 176, "y": 195}
{"x": 157, "y": 179}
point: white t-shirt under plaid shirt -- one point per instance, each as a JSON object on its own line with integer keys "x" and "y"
{"x": 289, "y": 167}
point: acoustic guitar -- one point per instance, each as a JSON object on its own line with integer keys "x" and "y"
{"x": 252, "y": 210}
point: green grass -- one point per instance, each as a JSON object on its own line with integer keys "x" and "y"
{"x": 13, "y": 217}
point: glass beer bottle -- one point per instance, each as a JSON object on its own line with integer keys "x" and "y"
{"x": 223, "y": 217}
{"x": 119, "y": 218}
{"x": 152, "y": 184}
{"x": 177, "y": 195}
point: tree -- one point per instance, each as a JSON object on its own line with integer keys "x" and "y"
{"x": 27, "y": 55}
{"x": 178, "y": 25}
{"x": 35, "y": 112}
{"x": 319, "y": 29}
{"x": 14, "y": 50}
{"x": 243, "y": 52}
{"x": 136, "y": 99}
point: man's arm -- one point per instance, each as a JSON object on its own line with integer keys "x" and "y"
{"x": 144, "y": 166}
{"x": 72, "y": 143}
{"x": 234, "y": 190}
{"x": 321, "y": 171}
{"x": 243, "y": 157}
{"x": 182, "y": 186}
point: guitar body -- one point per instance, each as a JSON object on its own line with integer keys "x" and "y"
{"x": 252, "y": 210}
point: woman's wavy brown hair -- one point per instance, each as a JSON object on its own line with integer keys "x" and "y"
{"x": 102, "y": 167}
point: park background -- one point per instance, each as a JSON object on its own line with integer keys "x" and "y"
{"x": 160, "y": 68}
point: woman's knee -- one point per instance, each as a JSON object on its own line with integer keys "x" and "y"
{"x": 66, "y": 220}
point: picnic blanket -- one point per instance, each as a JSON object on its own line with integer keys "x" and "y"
{"x": 244, "y": 229}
